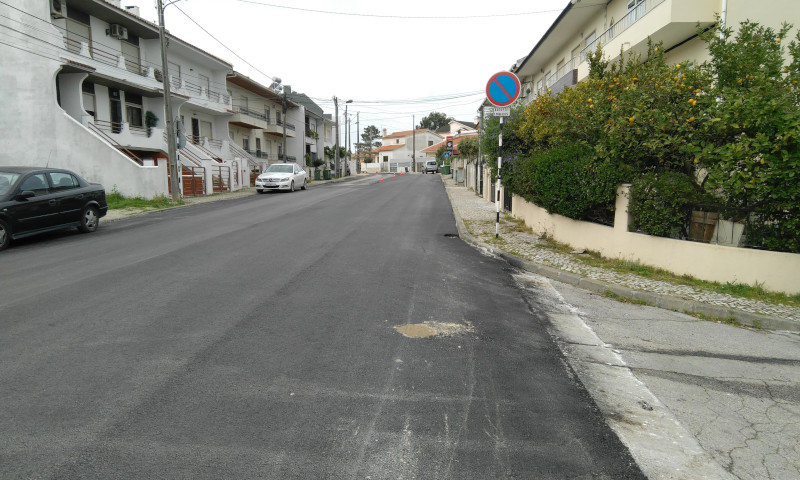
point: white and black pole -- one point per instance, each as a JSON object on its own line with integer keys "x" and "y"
{"x": 499, "y": 165}
{"x": 502, "y": 90}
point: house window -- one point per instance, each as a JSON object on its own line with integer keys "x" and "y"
{"x": 267, "y": 114}
{"x": 589, "y": 45}
{"x": 386, "y": 158}
{"x": 548, "y": 78}
{"x": 430, "y": 143}
{"x": 246, "y": 144}
{"x": 133, "y": 109}
{"x": 540, "y": 86}
{"x": 205, "y": 129}
{"x": 174, "y": 73}
{"x": 89, "y": 104}
{"x": 205, "y": 82}
{"x": 635, "y": 11}
{"x": 130, "y": 52}
{"x": 397, "y": 142}
{"x": 78, "y": 30}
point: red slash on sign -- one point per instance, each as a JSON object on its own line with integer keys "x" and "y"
{"x": 502, "y": 89}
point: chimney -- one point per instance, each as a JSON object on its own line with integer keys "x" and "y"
{"x": 287, "y": 89}
{"x": 132, "y": 9}
{"x": 384, "y": 132}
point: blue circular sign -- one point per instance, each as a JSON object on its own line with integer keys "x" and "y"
{"x": 502, "y": 89}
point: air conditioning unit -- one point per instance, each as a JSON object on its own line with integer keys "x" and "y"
{"x": 56, "y": 9}
{"x": 118, "y": 31}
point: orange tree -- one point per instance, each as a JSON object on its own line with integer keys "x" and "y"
{"x": 754, "y": 159}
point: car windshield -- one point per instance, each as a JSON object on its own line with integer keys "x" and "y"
{"x": 6, "y": 180}
{"x": 279, "y": 168}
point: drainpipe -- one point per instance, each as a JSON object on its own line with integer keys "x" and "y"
{"x": 723, "y": 15}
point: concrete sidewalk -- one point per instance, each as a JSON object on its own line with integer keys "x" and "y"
{"x": 476, "y": 223}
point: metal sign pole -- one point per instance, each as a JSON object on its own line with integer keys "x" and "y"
{"x": 499, "y": 165}
{"x": 502, "y": 90}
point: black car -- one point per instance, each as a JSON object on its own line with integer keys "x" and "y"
{"x": 37, "y": 200}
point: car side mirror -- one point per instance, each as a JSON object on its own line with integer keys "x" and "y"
{"x": 26, "y": 194}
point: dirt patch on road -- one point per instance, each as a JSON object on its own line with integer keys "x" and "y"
{"x": 431, "y": 329}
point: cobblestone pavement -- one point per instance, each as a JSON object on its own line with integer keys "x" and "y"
{"x": 479, "y": 217}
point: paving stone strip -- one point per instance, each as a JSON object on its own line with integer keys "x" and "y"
{"x": 479, "y": 217}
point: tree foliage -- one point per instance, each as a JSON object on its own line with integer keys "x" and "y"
{"x": 434, "y": 121}
{"x": 468, "y": 147}
{"x": 726, "y": 131}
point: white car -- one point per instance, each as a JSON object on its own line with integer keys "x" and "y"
{"x": 281, "y": 176}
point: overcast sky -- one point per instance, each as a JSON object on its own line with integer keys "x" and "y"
{"x": 395, "y": 60}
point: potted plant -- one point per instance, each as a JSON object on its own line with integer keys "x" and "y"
{"x": 150, "y": 121}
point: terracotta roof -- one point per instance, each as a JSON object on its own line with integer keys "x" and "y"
{"x": 405, "y": 133}
{"x": 456, "y": 141}
{"x": 387, "y": 148}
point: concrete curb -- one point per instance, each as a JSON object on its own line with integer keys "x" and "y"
{"x": 667, "y": 302}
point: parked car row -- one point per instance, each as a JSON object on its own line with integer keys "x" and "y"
{"x": 38, "y": 200}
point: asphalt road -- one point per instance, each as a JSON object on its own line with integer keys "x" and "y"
{"x": 339, "y": 332}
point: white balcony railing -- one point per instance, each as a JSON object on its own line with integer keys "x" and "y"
{"x": 623, "y": 24}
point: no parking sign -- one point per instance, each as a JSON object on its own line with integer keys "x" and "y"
{"x": 503, "y": 89}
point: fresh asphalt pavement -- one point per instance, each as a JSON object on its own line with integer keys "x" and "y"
{"x": 340, "y": 332}
{"x": 691, "y": 398}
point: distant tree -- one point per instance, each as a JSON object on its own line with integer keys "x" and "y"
{"x": 369, "y": 140}
{"x": 468, "y": 147}
{"x": 434, "y": 121}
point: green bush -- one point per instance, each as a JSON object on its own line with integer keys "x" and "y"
{"x": 659, "y": 203}
{"x": 569, "y": 181}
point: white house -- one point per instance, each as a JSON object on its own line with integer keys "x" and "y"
{"x": 400, "y": 149}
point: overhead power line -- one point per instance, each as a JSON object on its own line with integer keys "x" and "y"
{"x": 402, "y": 17}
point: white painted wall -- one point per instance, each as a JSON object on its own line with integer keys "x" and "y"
{"x": 36, "y": 131}
{"x": 775, "y": 270}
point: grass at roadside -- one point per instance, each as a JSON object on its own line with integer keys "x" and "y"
{"x": 116, "y": 200}
{"x": 594, "y": 259}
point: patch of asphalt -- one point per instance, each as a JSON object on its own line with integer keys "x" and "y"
{"x": 660, "y": 300}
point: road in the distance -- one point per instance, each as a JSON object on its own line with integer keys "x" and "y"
{"x": 256, "y": 338}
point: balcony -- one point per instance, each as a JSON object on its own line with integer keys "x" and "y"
{"x": 668, "y": 21}
{"x": 244, "y": 117}
{"x": 276, "y": 128}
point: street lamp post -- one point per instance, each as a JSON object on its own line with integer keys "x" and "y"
{"x": 339, "y": 172}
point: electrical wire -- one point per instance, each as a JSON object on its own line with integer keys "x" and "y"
{"x": 401, "y": 17}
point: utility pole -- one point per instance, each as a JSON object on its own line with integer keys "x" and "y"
{"x": 336, "y": 153}
{"x": 358, "y": 144}
{"x": 346, "y": 128}
{"x": 172, "y": 150}
{"x": 413, "y": 143}
{"x": 284, "y": 124}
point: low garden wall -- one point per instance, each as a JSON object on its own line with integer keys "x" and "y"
{"x": 775, "y": 271}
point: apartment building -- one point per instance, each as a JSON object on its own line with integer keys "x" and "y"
{"x": 258, "y": 125}
{"x": 82, "y": 88}
{"x": 620, "y": 26}
{"x": 313, "y": 145}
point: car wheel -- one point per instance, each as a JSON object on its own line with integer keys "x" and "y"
{"x": 304, "y": 185}
{"x": 90, "y": 219}
{"x": 5, "y": 235}
{"x": 291, "y": 186}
